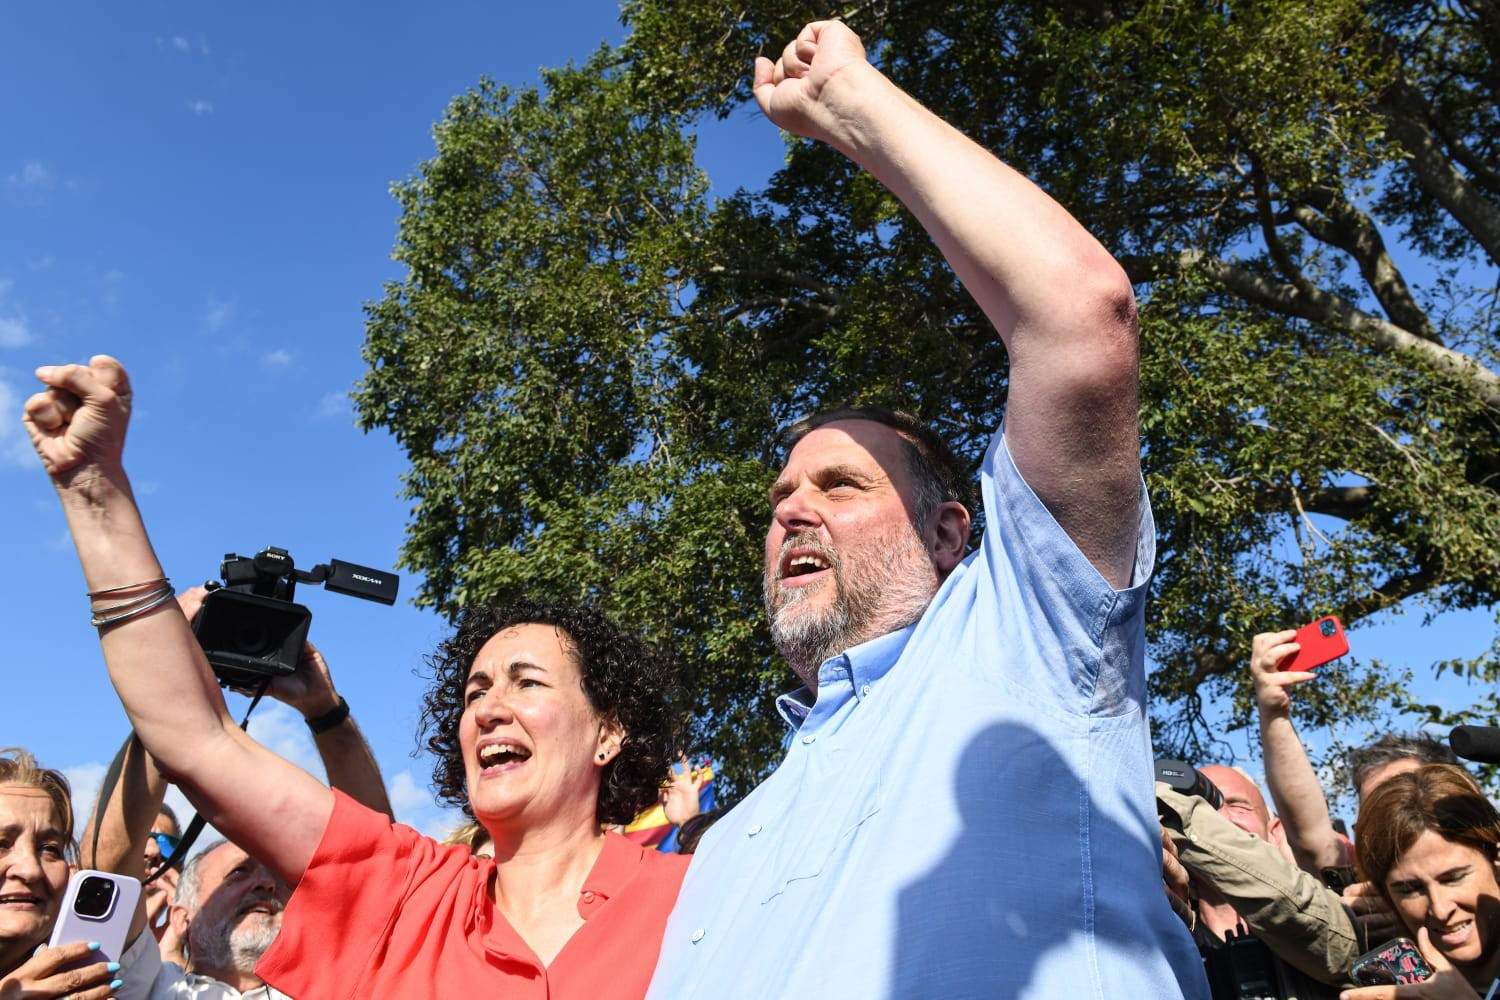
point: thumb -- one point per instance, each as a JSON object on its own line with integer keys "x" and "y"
{"x": 761, "y": 83}
{"x": 110, "y": 373}
{"x": 1430, "y": 952}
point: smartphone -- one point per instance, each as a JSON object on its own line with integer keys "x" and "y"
{"x": 1321, "y": 642}
{"x": 98, "y": 906}
{"x": 1395, "y": 963}
{"x": 1338, "y": 877}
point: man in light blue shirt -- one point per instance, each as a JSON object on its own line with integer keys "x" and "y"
{"x": 966, "y": 808}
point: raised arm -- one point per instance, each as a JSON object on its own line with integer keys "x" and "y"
{"x": 131, "y": 809}
{"x": 347, "y": 758}
{"x": 1289, "y": 774}
{"x": 273, "y": 809}
{"x": 1061, "y": 304}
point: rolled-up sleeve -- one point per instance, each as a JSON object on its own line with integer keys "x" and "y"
{"x": 1302, "y": 921}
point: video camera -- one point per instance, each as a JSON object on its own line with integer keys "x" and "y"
{"x": 1180, "y": 776}
{"x": 250, "y": 628}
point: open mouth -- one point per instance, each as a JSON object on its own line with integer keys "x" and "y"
{"x": 502, "y": 756}
{"x": 20, "y": 901}
{"x": 801, "y": 567}
{"x": 269, "y": 907}
{"x": 1455, "y": 937}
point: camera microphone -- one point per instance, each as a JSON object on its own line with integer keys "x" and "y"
{"x": 1480, "y": 744}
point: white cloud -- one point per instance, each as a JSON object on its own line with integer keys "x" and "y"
{"x": 84, "y": 780}
{"x": 15, "y": 446}
{"x": 415, "y": 806}
{"x": 333, "y": 404}
{"x": 33, "y": 176}
{"x": 200, "y": 107}
{"x": 218, "y": 314}
{"x": 181, "y": 44}
{"x": 281, "y": 730}
{"x": 13, "y": 332}
{"x": 278, "y": 358}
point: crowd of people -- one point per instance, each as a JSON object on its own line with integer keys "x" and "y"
{"x": 966, "y": 807}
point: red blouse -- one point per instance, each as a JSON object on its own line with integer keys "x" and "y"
{"x": 383, "y": 911}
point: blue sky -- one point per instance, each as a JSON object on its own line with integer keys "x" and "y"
{"x": 203, "y": 192}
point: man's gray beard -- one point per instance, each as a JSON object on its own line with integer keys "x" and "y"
{"x": 888, "y": 593}
{"x": 216, "y": 947}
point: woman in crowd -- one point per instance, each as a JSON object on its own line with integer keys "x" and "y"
{"x": 1429, "y": 839}
{"x": 36, "y": 830}
{"x": 548, "y": 723}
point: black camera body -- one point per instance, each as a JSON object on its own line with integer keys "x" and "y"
{"x": 250, "y": 628}
{"x": 1183, "y": 777}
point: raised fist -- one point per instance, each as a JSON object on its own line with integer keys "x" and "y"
{"x": 77, "y": 424}
{"x": 792, "y": 90}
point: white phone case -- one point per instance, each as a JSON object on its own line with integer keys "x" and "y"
{"x": 109, "y": 927}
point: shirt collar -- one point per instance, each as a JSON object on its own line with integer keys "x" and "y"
{"x": 617, "y": 864}
{"x": 864, "y": 665}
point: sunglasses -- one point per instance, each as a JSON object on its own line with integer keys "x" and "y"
{"x": 166, "y": 843}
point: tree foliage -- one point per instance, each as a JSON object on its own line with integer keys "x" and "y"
{"x": 588, "y": 359}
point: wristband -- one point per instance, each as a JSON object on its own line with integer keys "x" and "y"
{"x": 330, "y": 718}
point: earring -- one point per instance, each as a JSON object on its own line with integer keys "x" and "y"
{"x": 602, "y": 755}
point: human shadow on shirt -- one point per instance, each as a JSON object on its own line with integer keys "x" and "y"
{"x": 982, "y": 921}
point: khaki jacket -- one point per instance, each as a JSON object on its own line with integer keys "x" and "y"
{"x": 1302, "y": 921}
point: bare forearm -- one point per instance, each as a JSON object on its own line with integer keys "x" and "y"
{"x": 154, "y": 661}
{"x": 1298, "y": 794}
{"x": 351, "y": 766}
{"x": 1028, "y": 263}
{"x": 133, "y": 806}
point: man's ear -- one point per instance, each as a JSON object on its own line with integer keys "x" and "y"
{"x": 1276, "y": 832}
{"x": 179, "y": 920}
{"x": 947, "y": 536}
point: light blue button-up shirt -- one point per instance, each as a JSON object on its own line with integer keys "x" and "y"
{"x": 966, "y": 808}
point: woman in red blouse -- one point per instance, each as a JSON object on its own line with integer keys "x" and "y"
{"x": 547, "y": 723}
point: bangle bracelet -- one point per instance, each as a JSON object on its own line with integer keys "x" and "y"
{"x": 330, "y": 718}
{"x": 135, "y": 602}
{"x": 130, "y": 586}
{"x": 157, "y": 600}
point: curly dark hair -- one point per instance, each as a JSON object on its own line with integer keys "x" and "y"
{"x": 623, "y": 678}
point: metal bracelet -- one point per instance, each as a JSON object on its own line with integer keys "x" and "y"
{"x": 134, "y": 602}
{"x": 129, "y": 586}
{"x": 102, "y": 622}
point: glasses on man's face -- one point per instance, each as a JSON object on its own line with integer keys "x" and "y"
{"x": 166, "y": 843}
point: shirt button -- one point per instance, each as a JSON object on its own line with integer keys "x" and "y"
{"x": 697, "y": 935}
{"x": 588, "y": 897}
{"x": 865, "y": 691}
{"x": 754, "y": 830}
{"x": 809, "y": 739}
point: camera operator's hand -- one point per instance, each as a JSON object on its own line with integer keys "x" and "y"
{"x": 1176, "y": 880}
{"x": 1371, "y": 912}
{"x": 1267, "y": 652}
{"x": 77, "y": 424}
{"x": 1447, "y": 983}
{"x": 43, "y": 976}
{"x": 308, "y": 689}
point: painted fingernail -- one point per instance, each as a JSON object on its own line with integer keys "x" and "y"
{"x": 112, "y": 967}
{"x": 115, "y": 984}
{"x": 93, "y": 946}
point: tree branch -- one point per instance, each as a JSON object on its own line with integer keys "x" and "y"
{"x": 1405, "y": 114}
{"x": 1342, "y": 225}
{"x": 1328, "y": 309}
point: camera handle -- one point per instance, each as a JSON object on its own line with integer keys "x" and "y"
{"x": 194, "y": 828}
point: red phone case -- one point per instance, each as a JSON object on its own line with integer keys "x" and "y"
{"x": 1321, "y": 641}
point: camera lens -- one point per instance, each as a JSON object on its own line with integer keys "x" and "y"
{"x": 95, "y": 896}
{"x": 1327, "y": 628}
{"x": 252, "y": 639}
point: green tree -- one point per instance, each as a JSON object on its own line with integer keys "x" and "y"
{"x": 589, "y": 359}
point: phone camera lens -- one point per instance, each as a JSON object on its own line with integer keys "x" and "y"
{"x": 1327, "y": 628}
{"x": 95, "y": 897}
